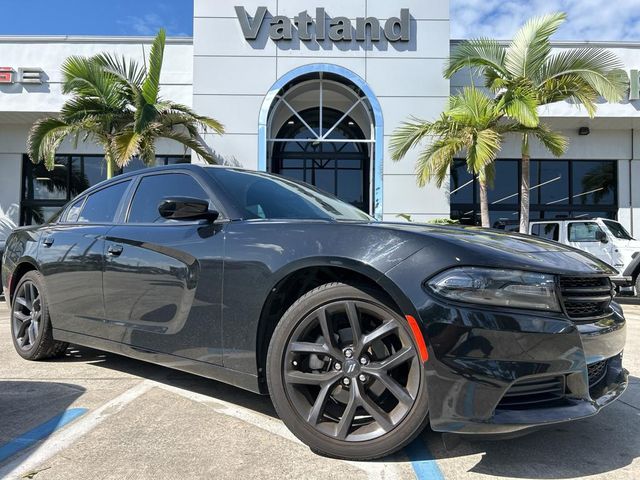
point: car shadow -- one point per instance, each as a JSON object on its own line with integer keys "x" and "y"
{"x": 597, "y": 445}
{"x": 171, "y": 377}
{"x": 22, "y": 409}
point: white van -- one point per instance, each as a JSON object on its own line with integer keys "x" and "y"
{"x": 603, "y": 238}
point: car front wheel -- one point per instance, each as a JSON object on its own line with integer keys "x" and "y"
{"x": 345, "y": 375}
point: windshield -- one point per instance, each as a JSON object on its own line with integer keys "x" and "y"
{"x": 260, "y": 195}
{"x": 617, "y": 230}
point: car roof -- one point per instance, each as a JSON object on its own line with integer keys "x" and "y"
{"x": 560, "y": 220}
{"x": 145, "y": 171}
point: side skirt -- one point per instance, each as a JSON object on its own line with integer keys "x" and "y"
{"x": 242, "y": 380}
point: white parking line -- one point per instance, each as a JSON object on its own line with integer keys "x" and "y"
{"x": 61, "y": 440}
{"x": 31, "y": 459}
{"x": 374, "y": 470}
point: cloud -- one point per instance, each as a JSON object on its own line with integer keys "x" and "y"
{"x": 588, "y": 19}
{"x": 147, "y": 24}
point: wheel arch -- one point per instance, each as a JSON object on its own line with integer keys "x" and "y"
{"x": 299, "y": 278}
{"x": 23, "y": 266}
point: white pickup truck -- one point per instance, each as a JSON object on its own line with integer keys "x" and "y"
{"x": 605, "y": 239}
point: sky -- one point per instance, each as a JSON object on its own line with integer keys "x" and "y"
{"x": 588, "y": 19}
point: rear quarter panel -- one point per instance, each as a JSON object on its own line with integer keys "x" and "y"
{"x": 21, "y": 247}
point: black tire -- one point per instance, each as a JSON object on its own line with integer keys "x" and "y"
{"x": 637, "y": 284}
{"x": 286, "y": 345}
{"x": 38, "y": 344}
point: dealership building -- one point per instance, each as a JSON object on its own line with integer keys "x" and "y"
{"x": 313, "y": 91}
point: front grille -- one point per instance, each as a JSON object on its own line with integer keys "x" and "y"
{"x": 533, "y": 393}
{"x": 586, "y": 297}
{"x": 596, "y": 372}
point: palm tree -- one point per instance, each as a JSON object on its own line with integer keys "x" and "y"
{"x": 471, "y": 126}
{"x": 525, "y": 75}
{"x": 116, "y": 103}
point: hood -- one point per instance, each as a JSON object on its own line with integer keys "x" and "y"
{"x": 494, "y": 248}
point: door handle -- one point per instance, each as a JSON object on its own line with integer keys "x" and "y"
{"x": 48, "y": 241}
{"x": 115, "y": 250}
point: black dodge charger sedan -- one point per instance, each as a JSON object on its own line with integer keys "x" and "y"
{"x": 361, "y": 332}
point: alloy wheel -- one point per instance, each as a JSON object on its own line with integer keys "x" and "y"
{"x": 351, "y": 370}
{"x": 26, "y": 315}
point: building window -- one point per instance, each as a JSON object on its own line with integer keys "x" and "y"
{"x": 559, "y": 189}
{"x": 321, "y": 130}
{"x": 44, "y": 192}
{"x": 340, "y": 167}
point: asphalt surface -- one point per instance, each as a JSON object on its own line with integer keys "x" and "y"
{"x": 102, "y": 416}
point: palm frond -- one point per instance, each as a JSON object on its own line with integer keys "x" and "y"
{"x": 555, "y": 142}
{"x": 483, "y": 52}
{"x": 202, "y": 121}
{"x": 531, "y": 46}
{"x": 484, "y": 150}
{"x": 144, "y": 115}
{"x": 471, "y": 107}
{"x": 521, "y": 104}
{"x": 599, "y": 68}
{"x": 45, "y": 138}
{"x": 407, "y": 136}
{"x": 151, "y": 84}
{"x": 84, "y": 77}
{"x": 130, "y": 71}
{"x": 126, "y": 145}
{"x": 189, "y": 142}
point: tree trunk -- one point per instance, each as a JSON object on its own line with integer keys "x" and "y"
{"x": 110, "y": 167}
{"x": 525, "y": 186}
{"x": 484, "y": 204}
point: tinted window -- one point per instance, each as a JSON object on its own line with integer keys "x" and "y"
{"x": 260, "y": 195}
{"x": 594, "y": 183}
{"x": 618, "y": 230}
{"x": 462, "y": 183}
{"x": 101, "y": 206}
{"x": 550, "y": 182}
{"x": 506, "y": 187}
{"x": 152, "y": 190}
{"x": 584, "y": 232}
{"x": 550, "y": 231}
{"x": 74, "y": 212}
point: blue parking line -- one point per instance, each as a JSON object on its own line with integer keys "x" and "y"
{"x": 33, "y": 436}
{"x": 422, "y": 461}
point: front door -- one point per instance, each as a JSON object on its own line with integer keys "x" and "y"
{"x": 163, "y": 279}
{"x": 587, "y": 237}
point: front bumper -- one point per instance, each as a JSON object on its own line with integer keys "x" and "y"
{"x": 480, "y": 357}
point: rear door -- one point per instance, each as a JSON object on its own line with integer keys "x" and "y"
{"x": 163, "y": 278}
{"x": 71, "y": 257}
{"x": 585, "y": 236}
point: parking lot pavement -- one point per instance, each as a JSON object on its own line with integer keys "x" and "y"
{"x": 119, "y": 418}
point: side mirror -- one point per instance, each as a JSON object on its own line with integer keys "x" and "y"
{"x": 602, "y": 237}
{"x": 186, "y": 208}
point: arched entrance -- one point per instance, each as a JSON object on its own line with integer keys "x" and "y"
{"x": 321, "y": 124}
{"x": 338, "y": 166}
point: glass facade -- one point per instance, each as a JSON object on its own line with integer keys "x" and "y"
{"x": 338, "y": 165}
{"x": 44, "y": 192}
{"x": 559, "y": 189}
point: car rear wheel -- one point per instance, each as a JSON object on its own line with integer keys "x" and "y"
{"x": 345, "y": 375}
{"x": 30, "y": 322}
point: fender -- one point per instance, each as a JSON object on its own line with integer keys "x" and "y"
{"x": 633, "y": 267}
{"x": 375, "y": 275}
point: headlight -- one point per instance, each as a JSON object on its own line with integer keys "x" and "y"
{"x": 503, "y": 288}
